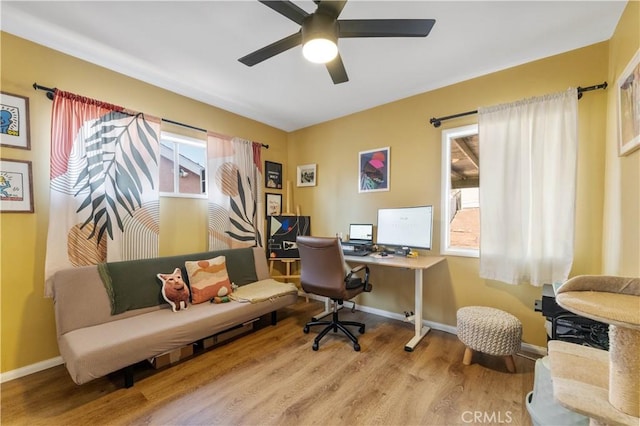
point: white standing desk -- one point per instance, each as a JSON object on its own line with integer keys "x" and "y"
{"x": 418, "y": 264}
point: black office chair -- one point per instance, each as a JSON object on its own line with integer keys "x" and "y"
{"x": 325, "y": 273}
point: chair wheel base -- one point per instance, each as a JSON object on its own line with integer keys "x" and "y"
{"x": 335, "y": 325}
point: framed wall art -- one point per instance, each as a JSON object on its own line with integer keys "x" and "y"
{"x": 307, "y": 175}
{"x": 16, "y": 186}
{"x": 374, "y": 170}
{"x": 629, "y": 107}
{"x": 273, "y": 204}
{"x": 14, "y": 121}
{"x": 272, "y": 175}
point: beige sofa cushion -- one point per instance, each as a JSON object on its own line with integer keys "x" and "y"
{"x": 96, "y": 351}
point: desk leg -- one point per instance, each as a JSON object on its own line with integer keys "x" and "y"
{"x": 420, "y": 330}
{"x": 328, "y": 308}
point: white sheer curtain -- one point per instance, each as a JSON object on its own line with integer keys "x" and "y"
{"x": 528, "y": 151}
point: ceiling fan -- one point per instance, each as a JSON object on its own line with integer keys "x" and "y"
{"x": 319, "y": 33}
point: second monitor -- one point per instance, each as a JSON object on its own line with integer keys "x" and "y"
{"x": 407, "y": 227}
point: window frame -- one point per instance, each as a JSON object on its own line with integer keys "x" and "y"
{"x": 445, "y": 230}
{"x": 178, "y": 140}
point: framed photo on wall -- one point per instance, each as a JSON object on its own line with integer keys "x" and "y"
{"x": 16, "y": 186}
{"x": 273, "y": 204}
{"x": 307, "y": 175}
{"x": 272, "y": 175}
{"x": 14, "y": 121}
{"x": 629, "y": 107}
{"x": 373, "y": 170}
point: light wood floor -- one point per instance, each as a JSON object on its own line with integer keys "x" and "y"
{"x": 272, "y": 377}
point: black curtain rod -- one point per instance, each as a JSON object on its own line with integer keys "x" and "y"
{"x": 50, "y": 93}
{"x": 265, "y": 146}
{"x": 438, "y": 121}
{"x": 49, "y": 90}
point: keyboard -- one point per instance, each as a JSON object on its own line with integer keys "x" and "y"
{"x": 358, "y": 253}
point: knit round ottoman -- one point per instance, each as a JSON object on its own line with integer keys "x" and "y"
{"x": 490, "y": 331}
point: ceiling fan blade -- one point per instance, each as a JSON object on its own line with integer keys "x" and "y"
{"x": 271, "y": 50}
{"x": 287, "y": 9}
{"x": 337, "y": 71}
{"x": 385, "y": 27}
{"x": 331, "y": 8}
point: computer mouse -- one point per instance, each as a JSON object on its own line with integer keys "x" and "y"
{"x": 384, "y": 253}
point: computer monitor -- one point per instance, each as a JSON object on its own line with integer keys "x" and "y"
{"x": 405, "y": 227}
{"x": 361, "y": 233}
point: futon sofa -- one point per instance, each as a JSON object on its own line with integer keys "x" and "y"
{"x": 95, "y": 341}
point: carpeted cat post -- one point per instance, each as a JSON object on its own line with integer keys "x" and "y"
{"x": 604, "y": 386}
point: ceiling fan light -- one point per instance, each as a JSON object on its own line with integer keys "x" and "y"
{"x": 320, "y": 50}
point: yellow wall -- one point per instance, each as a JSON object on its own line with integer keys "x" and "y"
{"x": 27, "y": 323}
{"x": 621, "y": 231}
{"x": 415, "y": 179}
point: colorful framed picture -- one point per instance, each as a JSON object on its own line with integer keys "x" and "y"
{"x": 273, "y": 204}
{"x": 16, "y": 186}
{"x": 374, "y": 170}
{"x": 629, "y": 107}
{"x": 272, "y": 175}
{"x": 14, "y": 121}
{"x": 307, "y": 175}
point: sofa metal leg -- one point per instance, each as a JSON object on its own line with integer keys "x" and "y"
{"x": 128, "y": 376}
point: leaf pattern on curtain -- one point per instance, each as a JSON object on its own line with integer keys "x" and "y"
{"x": 119, "y": 157}
{"x": 235, "y": 218}
{"x": 243, "y": 208}
{"x": 104, "y": 185}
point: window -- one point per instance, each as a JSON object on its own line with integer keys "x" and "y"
{"x": 460, "y": 231}
{"x": 183, "y": 166}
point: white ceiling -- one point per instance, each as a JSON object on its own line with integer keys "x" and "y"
{"x": 192, "y": 48}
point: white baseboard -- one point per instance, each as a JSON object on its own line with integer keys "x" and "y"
{"x": 526, "y": 347}
{"x": 43, "y": 365}
{"x": 30, "y": 369}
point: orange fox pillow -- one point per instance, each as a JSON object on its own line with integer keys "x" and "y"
{"x": 208, "y": 279}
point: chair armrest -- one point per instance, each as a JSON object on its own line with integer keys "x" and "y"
{"x": 359, "y": 268}
{"x": 365, "y": 282}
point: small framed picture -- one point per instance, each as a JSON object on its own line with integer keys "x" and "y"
{"x": 629, "y": 107}
{"x": 14, "y": 121}
{"x": 273, "y": 204}
{"x": 16, "y": 186}
{"x": 307, "y": 175}
{"x": 272, "y": 175}
{"x": 374, "y": 170}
